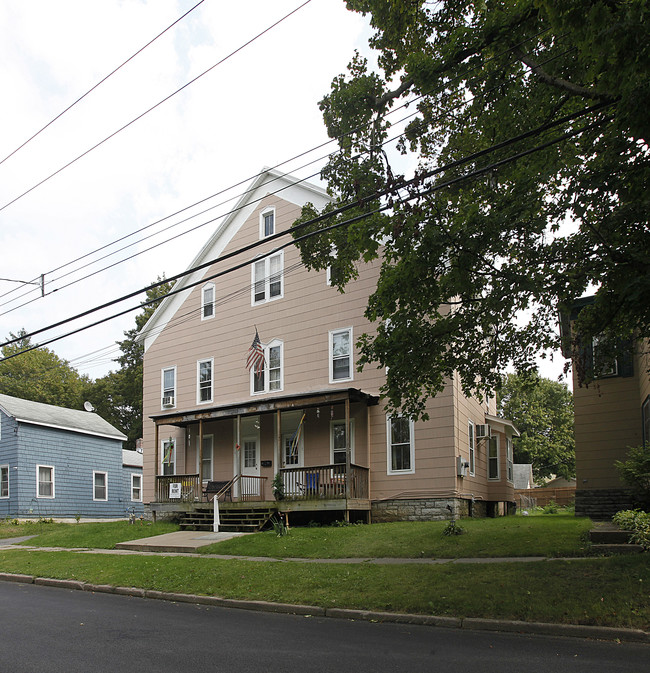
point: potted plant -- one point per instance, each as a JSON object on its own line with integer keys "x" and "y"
{"x": 278, "y": 487}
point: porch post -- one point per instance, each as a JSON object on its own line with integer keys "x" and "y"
{"x": 201, "y": 453}
{"x": 368, "y": 448}
{"x": 156, "y": 463}
{"x": 239, "y": 452}
{"x": 348, "y": 471}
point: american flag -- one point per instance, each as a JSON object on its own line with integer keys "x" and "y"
{"x": 255, "y": 360}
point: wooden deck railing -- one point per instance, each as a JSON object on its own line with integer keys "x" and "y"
{"x": 178, "y": 488}
{"x": 322, "y": 482}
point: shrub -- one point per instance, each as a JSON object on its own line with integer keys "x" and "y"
{"x": 551, "y": 508}
{"x": 635, "y": 471}
{"x": 638, "y": 523}
{"x": 452, "y": 528}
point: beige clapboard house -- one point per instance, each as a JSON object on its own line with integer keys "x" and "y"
{"x": 310, "y": 416}
{"x": 612, "y": 414}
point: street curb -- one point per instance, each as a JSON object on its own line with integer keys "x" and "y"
{"x": 468, "y": 623}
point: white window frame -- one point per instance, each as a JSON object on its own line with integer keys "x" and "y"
{"x": 4, "y": 469}
{"x": 204, "y": 476}
{"x": 334, "y": 424}
{"x": 267, "y": 211}
{"x": 198, "y": 381}
{"x": 266, "y": 387}
{"x": 389, "y": 446}
{"x": 267, "y": 281}
{"x": 105, "y": 475}
{"x": 497, "y": 458}
{"x": 163, "y": 450}
{"x": 135, "y": 476}
{"x": 332, "y": 334}
{"x": 205, "y": 304}
{"x": 510, "y": 476}
{"x": 471, "y": 440}
{"x": 52, "y": 482}
{"x": 164, "y": 390}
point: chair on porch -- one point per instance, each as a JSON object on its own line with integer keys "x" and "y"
{"x": 310, "y": 487}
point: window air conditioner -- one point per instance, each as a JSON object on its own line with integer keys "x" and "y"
{"x": 462, "y": 466}
{"x": 483, "y": 431}
{"x": 168, "y": 401}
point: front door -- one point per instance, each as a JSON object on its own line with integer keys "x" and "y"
{"x": 250, "y": 466}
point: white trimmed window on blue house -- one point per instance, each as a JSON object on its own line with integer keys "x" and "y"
{"x": 4, "y": 481}
{"x": 136, "y": 487}
{"x": 100, "y": 486}
{"x": 45, "y": 481}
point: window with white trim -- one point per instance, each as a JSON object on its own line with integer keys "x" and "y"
{"x": 509, "y": 461}
{"x": 401, "y": 446}
{"x": 338, "y": 443}
{"x": 340, "y": 355}
{"x": 267, "y": 222}
{"x": 472, "y": 447}
{"x": 271, "y": 378}
{"x": 267, "y": 279}
{"x": 204, "y": 383}
{"x": 168, "y": 386}
{"x": 494, "y": 472}
{"x": 168, "y": 457}
{"x": 206, "y": 461}
{"x": 45, "y": 481}
{"x": 4, "y": 481}
{"x": 207, "y": 301}
{"x": 100, "y": 485}
{"x": 136, "y": 487}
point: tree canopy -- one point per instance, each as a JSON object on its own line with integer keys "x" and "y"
{"x": 542, "y": 411}
{"x": 527, "y": 124}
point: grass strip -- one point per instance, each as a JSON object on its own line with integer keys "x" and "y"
{"x": 551, "y": 536}
{"x": 600, "y": 591}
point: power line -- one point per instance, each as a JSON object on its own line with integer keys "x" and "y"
{"x": 101, "y": 81}
{"x": 365, "y": 201}
{"x": 153, "y": 107}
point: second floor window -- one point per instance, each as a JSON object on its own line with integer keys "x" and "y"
{"x": 270, "y": 379}
{"x": 169, "y": 387}
{"x": 472, "y": 447}
{"x": 341, "y": 355}
{"x": 268, "y": 278}
{"x": 204, "y": 383}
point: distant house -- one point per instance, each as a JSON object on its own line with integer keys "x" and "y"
{"x": 523, "y": 476}
{"x": 57, "y": 462}
{"x": 307, "y": 421}
{"x": 612, "y": 413}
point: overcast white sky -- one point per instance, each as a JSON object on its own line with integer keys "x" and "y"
{"x": 258, "y": 108}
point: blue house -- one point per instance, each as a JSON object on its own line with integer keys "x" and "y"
{"x": 57, "y": 462}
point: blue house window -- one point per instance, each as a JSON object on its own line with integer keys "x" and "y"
{"x": 100, "y": 486}
{"x": 4, "y": 481}
{"x": 45, "y": 481}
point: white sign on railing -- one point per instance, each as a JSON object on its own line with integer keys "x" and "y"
{"x": 175, "y": 490}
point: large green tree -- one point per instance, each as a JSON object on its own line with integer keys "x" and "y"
{"x": 40, "y": 375}
{"x": 528, "y": 131}
{"x": 542, "y": 411}
{"x": 117, "y": 397}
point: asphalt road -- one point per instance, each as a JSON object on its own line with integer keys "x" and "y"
{"x": 60, "y": 630}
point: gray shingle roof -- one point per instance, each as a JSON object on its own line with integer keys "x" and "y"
{"x": 58, "y": 417}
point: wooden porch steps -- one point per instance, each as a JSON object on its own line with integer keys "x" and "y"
{"x": 241, "y": 519}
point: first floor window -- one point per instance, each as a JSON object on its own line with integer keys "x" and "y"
{"x": 136, "y": 487}
{"x": 341, "y": 355}
{"x": 493, "y": 458}
{"x": 100, "y": 486}
{"x": 204, "y": 393}
{"x": 270, "y": 378}
{"x": 45, "y": 481}
{"x": 472, "y": 447}
{"x": 509, "y": 461}
{"x": 207, "y": 301}
{"x": 4, "y": 481}
{"x": 206, "y": 462}
{"x": 168, "y": 457}
{"x": 400, "y": 445}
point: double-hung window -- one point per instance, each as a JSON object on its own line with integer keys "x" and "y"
{"x": 472, "y": 447}
{"x": 136, "y": 487}
{"x": 168, "y": 457}
{"x": 169, "y": 387}
{"x": 340, "y": 352}
{"x": 100, "y": 486}
{"x": 267, "y": 281}
{"x": 401, "y": 447}
{"x": 270, "y": 379}
{"x": 267, "y": 222}
{"x": 206, "y": 457}
{"x": 338, "y": 442}
{"x": 4, "y": 481}
{"x": 207, "y": 301}
{"x": 204, "y": 380}
{"x": 493, "y": 458}
{"x": 44, "y": 481}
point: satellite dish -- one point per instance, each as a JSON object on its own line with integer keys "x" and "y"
{"x": 88, "y": 406}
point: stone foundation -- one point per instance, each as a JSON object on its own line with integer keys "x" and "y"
{"x": 434, "y": 509}
{"x": 602, "y": 504}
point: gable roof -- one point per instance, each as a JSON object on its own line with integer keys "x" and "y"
{"x": 269, "y": 181}
{"x": 37, "y": 413}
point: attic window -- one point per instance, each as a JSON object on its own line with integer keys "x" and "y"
{"x": 267, "y": 222}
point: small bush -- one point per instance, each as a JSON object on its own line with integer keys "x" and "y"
{"x": 452, "y": 528}
{"x": 551, "y": 508}
{"x": 635, "y": 471}
{"x": 638, "y": 523}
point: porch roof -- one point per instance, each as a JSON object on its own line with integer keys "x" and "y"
{"x": 265, "y": 405}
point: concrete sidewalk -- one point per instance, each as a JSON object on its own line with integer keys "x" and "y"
{"x": 184, "y": 541}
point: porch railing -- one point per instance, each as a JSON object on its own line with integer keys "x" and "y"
{"x": 324, "y": 482}
{"x": 178, "y": 488}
